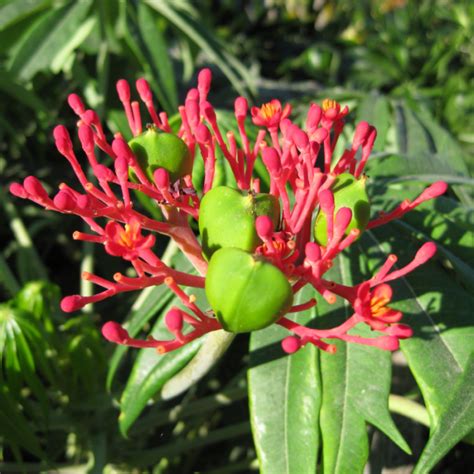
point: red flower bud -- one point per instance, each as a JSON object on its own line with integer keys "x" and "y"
{"x": 291, "y": 344}
{"x": 174, "y": 320}
{"x": 123, "y": 90}
{"x": 113, "y": 332}
{"x": 144, "y": 90}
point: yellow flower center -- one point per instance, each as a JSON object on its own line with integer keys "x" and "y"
{"x": 129, "y": 236}
{"x": 329, "y": 104}
{"x": 377, "y": 305}
{"x": 268, "y": 110}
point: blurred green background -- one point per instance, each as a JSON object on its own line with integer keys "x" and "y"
{"x": 405, "y": 66}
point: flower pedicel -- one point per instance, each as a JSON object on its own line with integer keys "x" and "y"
{"x": 261, "y": 248}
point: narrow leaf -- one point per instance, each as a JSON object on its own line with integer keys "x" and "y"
{"x": 14, "y": 427}
{"x": 284, "y": 397}
{"x": 148, "y": 303}
{"x": 201, "y": 36}
{"x": 375, "y": 110}
{"x": 356, "y": 386}
{"x": 439, "y": 311}
{"x": 151, "y": 370}
{"x": 149, "y": 374}
{"x": 453, "y": 424}
{"x": 14, "y": 11}
{"x": 7, "y": 279}
{"x": 48, "y": 39}
{"x": 71, "y": 44}
{"x": 155, "y": 43}
{"x": 216, "y": 344}
{"x": 20, "y": 94}
{"x": 30, "y": 264}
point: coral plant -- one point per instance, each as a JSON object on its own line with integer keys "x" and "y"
{"x": 261, "y": 248}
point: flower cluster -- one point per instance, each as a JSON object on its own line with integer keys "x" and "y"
{"x": 303, "y": 171}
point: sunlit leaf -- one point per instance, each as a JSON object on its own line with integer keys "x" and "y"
{"x": 160, "y": 63}
{"x": 209, "y": 44}
{"x": 356, "y": 385}
{"x": 13, "y": 11}
{"x": 147, "y": 305}
{"x": 49, "y": 39}
{"x": 285, "y": 397}
{"x": 455, "y": 421}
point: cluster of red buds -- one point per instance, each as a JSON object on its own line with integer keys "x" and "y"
{"x": 258, "y": 261}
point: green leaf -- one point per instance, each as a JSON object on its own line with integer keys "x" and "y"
{"x": 149, "y": 374}
{"x": 23, "y": 349}
{"x": 62, "y": 56}
{"x": 193, "y": 28}
{"x": 439, "y": 311}
{"x": 146, "y": 457}
{"x": 42, "y": 300}
{"x": 456, "y": 421}
{"x": 435, "y": 304}
{"x": 148, "y": 303}
{"x": 14, "y": 11}
{"x": 356, "y": 386}
{"x": 284, "y": 397}
{"x": 14, "y": 427}
{"x": 375, "y": 110}
{"x": 155, "y": 43}
{"x": 55, "y": 35}
{"x": 447, "y": 148}
{"x": 151, "y": 370}
{"x": 30, "y": 265}
{"x": 7, "y": 279}
{"x": 428, "y": 147}
{"x": 454, "y": 240}
{"x": 18, "y": 93}
{"x": 444, "y": 219}
{"x": 213, "y": 348}
{"x": 134, "y": 37}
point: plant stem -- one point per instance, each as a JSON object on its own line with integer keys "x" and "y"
{"x": 405, "y": 407}
{"x": 36, "y": 267}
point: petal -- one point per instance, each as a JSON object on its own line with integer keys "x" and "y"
{"x": 391, "y": 316}
{"x": 383, "y": 291}
{"x": 286, "y": 111}
{"x": 113, "y": 230}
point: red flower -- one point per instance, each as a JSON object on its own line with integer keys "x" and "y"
{"x": 290, "y": 154}
{"x": 270, "y": 114}
{"x": 374, "y": 309}
{"x": 126, "y": 242}
{"x": 332, "y": 112}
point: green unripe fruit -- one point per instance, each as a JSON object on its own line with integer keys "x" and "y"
{"x": 227, "y": 218}
{"x": 247, "y": 293}
{"x": 348, "y": 192}
{"x": 155, "y": 150}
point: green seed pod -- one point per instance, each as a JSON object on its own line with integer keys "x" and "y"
{"x": 247, "y": 293}
{"x": 227, "y": 218}
{"x": 348, "y": 192}
{"x": 155, "y": 150}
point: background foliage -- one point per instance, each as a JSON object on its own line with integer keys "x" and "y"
{"x": 67, "y": 398}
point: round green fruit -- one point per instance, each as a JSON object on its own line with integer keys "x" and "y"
{"x": 227, "y": 218}
{"x": 155, "y": 150}
{"x": 246, "y": 293}
{"x": 348, "y": 192}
